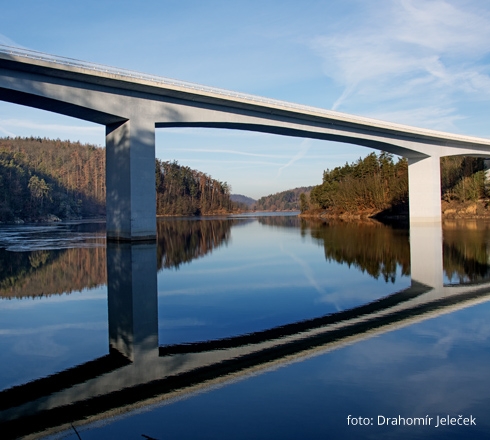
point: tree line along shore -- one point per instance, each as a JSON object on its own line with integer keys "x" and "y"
{"x": 377, "y": 186}
{"x": 48, "y": 180}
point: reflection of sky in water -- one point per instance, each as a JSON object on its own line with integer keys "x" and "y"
{"x": 437, "y": 367}
{"x": 266, "y": 276}
{"x": 42, "y": 336}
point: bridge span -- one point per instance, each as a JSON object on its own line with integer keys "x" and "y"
{"x": 132, "y": 105}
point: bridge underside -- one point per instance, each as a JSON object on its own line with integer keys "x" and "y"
{"x": 131, "y": 112}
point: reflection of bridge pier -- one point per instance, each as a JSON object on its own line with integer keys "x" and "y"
{"x": 132, "y": 298}
{"x": 426, "y": 254}
{"x": 147, "y": 373}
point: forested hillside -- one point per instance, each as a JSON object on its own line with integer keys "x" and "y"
{"x": 41, "y": 178}
{"x": 244, "y": 200}
{"x": 183, "y": 191}
{"x": 282, "y": 201}
{"x": 377, "y": 183}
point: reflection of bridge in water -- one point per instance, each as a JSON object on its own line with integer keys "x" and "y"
{"x": 137, "y": 372}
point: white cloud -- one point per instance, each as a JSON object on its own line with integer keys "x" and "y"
{"x": 439, "y": 118}
{"x": 61, "y": 128}
{"x": 4, "y": 40}
{"x": 411, "y": 54}
{"x": 224, "y": 151}
{"x": 7, "y": 132}
{"x": 304, "y": 147}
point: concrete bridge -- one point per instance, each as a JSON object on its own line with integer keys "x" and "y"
{"x": 132, "y": 105}
{"x": 137, "y": 372}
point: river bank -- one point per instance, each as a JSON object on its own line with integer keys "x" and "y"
{"x": 450, "y": 210}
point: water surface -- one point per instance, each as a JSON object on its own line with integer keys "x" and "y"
{"x": 244, "y": 327}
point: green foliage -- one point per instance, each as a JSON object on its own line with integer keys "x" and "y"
{"x": 470, "y": 188}
{"x": 303, "y": 202}
{"x": 373, "y": 183}
{"x": 376, "y": 183}
{"x": 463, "y": 178}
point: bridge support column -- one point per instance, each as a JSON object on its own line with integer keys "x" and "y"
{"x": 424, "y": 190}
{"x": 130, "y": 181}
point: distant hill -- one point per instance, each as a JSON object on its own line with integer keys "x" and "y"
{"x": 239, "y": 198}
{"x": 282, "y": 201}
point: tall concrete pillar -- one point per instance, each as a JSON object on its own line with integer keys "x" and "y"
{"x": 424, "y": 190}
{"x": 132, "y": 299}
{"x": 130, "y": 181}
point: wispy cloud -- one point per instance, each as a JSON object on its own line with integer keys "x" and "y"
{"x": 418, "y": 52}
{"x": 9, "y": 42}
{"x": 75, "y": 129}
{"x": 225, "y": 151}
{"x": 304, "y": 147}
{"x": 7, "y": 132}
{"x": 438, "y": 118}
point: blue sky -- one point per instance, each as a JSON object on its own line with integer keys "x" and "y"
{"x": 418, "y": 62}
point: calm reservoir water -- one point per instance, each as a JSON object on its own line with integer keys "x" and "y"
{"x": 260, "y": 326}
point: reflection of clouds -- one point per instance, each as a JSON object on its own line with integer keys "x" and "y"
{"x": 97, "y": 293}
{"x": 206, "y": 289}
{"x": 177, "y": 323}
{"x": 437, "y": 366}
{"x": 234, "y": 268}
{"x": 100, "y": 325}
{"x": 39, "y": 345}
{"x": 329, "y": 288}
{"x": 454, "y": 387}
{"x": 360, "y": 291}
{"x": 454, "y": 333}
{"x": 306, "y": 269}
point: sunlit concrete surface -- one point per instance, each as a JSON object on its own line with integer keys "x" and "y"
{"x": 131, "y": 105}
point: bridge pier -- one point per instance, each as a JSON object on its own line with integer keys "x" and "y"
{"x": 424, "y": 190}
{"x": 130, "y": 181}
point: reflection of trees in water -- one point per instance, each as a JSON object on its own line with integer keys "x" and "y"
{"x": 49, "y": 272}
{"x": 288, "y": 221}
{"x": 183, "y": 240}
{"x": 466, "y": 250}
{"x": 369, "y": 246}
{"x": 377, "y": 248}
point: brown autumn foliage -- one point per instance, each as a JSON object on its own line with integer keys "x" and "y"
{"x": 39, "y": 177}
